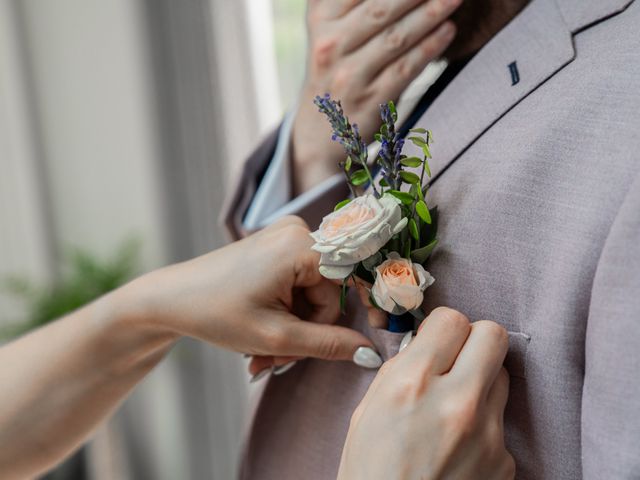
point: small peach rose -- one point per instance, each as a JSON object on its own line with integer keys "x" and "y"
{"x": 356, "y": 232}
{"x": 400, "y": 284}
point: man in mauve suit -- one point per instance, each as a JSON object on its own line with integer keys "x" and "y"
{"x": 536, "y": 174}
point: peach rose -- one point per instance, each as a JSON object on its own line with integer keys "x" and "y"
{"x": 355, "y": 232}
{"x": 400, "y": 284}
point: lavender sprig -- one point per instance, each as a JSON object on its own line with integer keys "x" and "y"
{"x": 348, "y": 135}
{"x": 391, "y": 146}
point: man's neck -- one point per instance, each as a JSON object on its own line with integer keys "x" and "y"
{"x": 478, "y": 21}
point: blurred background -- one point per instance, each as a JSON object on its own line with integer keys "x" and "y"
{"x": 121, "y": 125}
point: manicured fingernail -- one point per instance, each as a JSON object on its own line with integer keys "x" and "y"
{"x": 284, "y": 368}
{"x": 406, "y": 340}
{"x": 261, "y": 374}
{"x": 367, "y": 358}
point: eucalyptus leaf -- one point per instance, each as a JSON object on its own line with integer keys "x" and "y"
{"x": 411, "y": 162}
{"x": 404, "y": 197}
{"x": 413, "y": 229}
{"x": 423, "y": 212}
{"x": 410, "y": 178}
{"x": 359, "y": 178}
{"x": 422, "y": 254}
{"x": 342, "y": 204}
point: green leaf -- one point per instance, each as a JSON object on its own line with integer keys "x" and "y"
{"x": 417, "y": 141}
{"x": 426, "y": 150}
{"x": 413, "y": 229}
{"x": 359, "y": 178}
{"x": 347, "y": 164}
{"x": 383, "y": 183}
{"x": 422, "y": 254}
{"x": 342, "y": 204}
{"x": 427, "y": 168}
{"x": 378, "y": 137}
{"x": 411, "y": 162}
{"x": 418, "y": 130}
{"x": 410, "y": 178}
{"x": 423, "y": 211}
{"x": 404, "y": 197}
{"x": 394, "y": 112}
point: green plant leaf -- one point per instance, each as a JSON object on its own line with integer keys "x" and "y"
{"x": 348, "y": 163}
{"x": 427, "y": 168}
{"x": 417, "y": 141}
{"x": 383, "y": 183}
{"x": 422, "y": 254}
{"x": 423, "y": 211}
{"x": 342, "y": 204}
{"x": 426, "y": 150}
{"x": 411, "y": 162}
{"x": 378, "y": 137}
{"x": 404, "y": 197}
{"x": 410, "y": 178}
{"x": 418, "y": 130}
{"x": 394, "y": 112}
{"x": 413, "y": 229}
{"x": 359, "y": 178}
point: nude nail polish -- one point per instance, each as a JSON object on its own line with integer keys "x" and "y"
{"x": 406, "y": 340}
{"x": 367, "y": 358}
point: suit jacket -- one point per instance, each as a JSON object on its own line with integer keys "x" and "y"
{"x": 538, "y": 186}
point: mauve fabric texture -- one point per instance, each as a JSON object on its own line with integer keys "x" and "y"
{"x": 538, "y": 188}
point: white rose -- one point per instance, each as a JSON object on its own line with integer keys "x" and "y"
{"x": 400, "y": 284}
{"x": 355, "y": 232}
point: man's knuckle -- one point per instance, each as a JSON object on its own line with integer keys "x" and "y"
{"x": 323, "y": 52}
{"x": 395, "y": 39}
{"x": 378, "y": 13}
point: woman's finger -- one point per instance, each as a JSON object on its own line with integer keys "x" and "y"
{"x": 482, "y": 356}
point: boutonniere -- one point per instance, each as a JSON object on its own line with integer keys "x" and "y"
{"x": 385, "y": 232}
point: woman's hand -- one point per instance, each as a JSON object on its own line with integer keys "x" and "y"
{"x": 435, "y": 411}
{"x": 252, "y": 297}
{"x": 363, "y": 52}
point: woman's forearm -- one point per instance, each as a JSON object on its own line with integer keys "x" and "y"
{"x": 61, "y": 380}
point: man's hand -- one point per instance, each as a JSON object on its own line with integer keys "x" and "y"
{"x": 436, "y": 410}
{"x": 363, "y": 52}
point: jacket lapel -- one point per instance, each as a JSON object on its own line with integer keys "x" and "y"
{"x": 527, "y": 52}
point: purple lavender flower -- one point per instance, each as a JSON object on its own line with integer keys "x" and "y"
{"x": 343, "y": 132}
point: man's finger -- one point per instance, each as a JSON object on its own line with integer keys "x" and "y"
{"x": 394, "y": 41}
{"x": 397, "y": 75}
{"x": 330, "y": 9}
{"x": 370, "y": 18}
{"x": 438, "y": 342}
{"x": 482, "y": 356}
